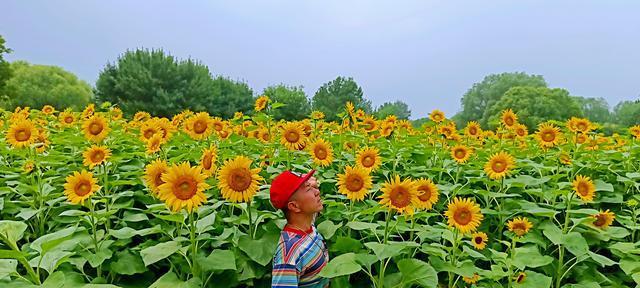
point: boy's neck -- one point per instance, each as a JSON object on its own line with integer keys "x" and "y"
{"x": 301, "y": 221}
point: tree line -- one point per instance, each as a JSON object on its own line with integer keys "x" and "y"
{"x": 159, "y": 83}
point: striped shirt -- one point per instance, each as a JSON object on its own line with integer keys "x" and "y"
{"x": 299, "y": 258}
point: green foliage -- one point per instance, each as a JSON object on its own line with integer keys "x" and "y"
{"x": 419, "y": 122}
{"x": 5, "y": 67}
{"x": 595, "y": 109}
{"x": 398, "y": 108}
{"x": 478, "y": 100}
{"x": 39, "y": 85}
{"x": 534, "y": 105}
{"x": 627, "y": 113}
{"x": 162, "y": 85}
{"x": 331, "y": 97}
{"x": 296, "y": 101}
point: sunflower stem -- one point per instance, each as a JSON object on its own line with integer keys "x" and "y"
{"x": 194, "y": 246}
{"x": 250, "y": 223}
{"x": 453, "y": 257}
{"x": 561, "y": 247}
{"x": 382, "y": 266}
{"x": 512, "y": 253}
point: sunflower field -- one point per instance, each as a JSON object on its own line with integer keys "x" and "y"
{"x": 91, "y": 199}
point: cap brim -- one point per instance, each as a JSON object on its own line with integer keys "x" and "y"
{"x": 304, "y": 179}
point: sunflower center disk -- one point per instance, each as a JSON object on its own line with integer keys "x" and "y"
{"x": 459, "y": 154}
{"x": 83, "y": 188}
{"x": 462, "y": 216}
{"x": 240, "y": 179}
{"x": 600, "y": 220}
{"x": 148, "y": 133}
{"x": 425, "y": 195}
{"x": 68, "y": 119}
{"x": 95, "y": 128}
{"x": 583, "y": 189}
{"x": 158, "y": 179}
{"x": 499, "y": 166}
{"x": 399, "y": 197}
{"x": 368, "y": 161}
{"x": 354, "y": 183}
{"x": 206, "y": 162}
{"x": 292, "y": 137}
{"x": 548, "y": 136}
{"x": 23, "y": 135}
{"x": 478, "y": 240}
{"x": 199, "y": 127}
{"x": 321, "y": 153}
{"x": 97, "y": 156}
{"x": 185, "y": 188}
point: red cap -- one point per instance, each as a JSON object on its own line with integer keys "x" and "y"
{"x": 284, "y": 185}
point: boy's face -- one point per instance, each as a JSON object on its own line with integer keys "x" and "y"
{"x": 307, "y": 198}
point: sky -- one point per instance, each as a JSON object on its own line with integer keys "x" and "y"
{"x": 424, "y": 53}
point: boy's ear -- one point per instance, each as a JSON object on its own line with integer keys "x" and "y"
{"x": 293, "y": 206}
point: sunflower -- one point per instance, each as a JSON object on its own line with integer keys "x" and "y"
{"x": 460, "y": 153}
{"x": 386, "y": 130}
{"x": 447, "y": 130}
{"x": 520, "y": 277}
{"x": 519, "y": 225}
{"x": 237, "y": 181}
{"x": 208, "y": 160}
{"x": 28, "y": 166}
{"x": 635, "y": 131}
{"x": 153, "y": 144}
{"x": 88, "y": 111}
{"x": 218, "y": 125}
{"x": 21, "y": 133}
{"x": 317, "y": 115}
{"x": 238, "y": 115}
{"x": 321, "y": 152}
{"x": 263, "y": 135}
{"x": 427, "y": 193}
{"x": 199, "y": 126}
{"x": 479, "y": 240}
{"x": 581, "y": 138}
{"x": 80, "y": 186}
{"x": 95, "y": 128}
{"x": 509, "y": 119}
{"x": 499, "y": 165}
{"x": 153, "y": 175}
{"x": 141, "y": 116}
{"x": 463, "y": 214}
{"x": 584, "y": 188}
{"x": 471, "y": 280}
{"x": 165, "y": 127}
{"x": 95, "y": 156}
{"x": 261, "y": 103}
{"x": 48, "y": 109}
{"x": 368, "y": 158}
{"x": 351, "y": 109}
{"x": 116, "y": 113}
{"x": 400, "y": 195}
{"x": 521, "y": 130}
{"x": 548, "y": 135}
{"x": 369, "y": 123}
{"x": 473, "y": 129}
{"x": 565, "y": 158}
{"x": 292, "y": 135}
{"x": 148, "y": 129}
{"x": 66, "y": 118}
{"x": 581, "y": 125}
{"x": 355, "y": 182}
{"x": 603, "y": 219}
{"x": 437, "y": 116}
{"x": 183, "y": 187}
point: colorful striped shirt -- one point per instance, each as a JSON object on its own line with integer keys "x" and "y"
{"x": 299, "y": 258}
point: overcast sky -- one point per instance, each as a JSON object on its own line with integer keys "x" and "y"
{"x": 425, "y": 53}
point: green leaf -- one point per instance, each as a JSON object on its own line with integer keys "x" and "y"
{"x": 12, "y": 230}
{"x": 158, "y": 252}
{"x": 170, "y": 280}
{"x": 261, "y": 250}
{"x": 552, "y": 232}
{"x": 55, "y": 280}
{"x": 135, "y": 216}
{"x": 51, "y": 260}
{"x": 602, "y": 260}
{"x": 418, "y": 272}
{"x": 575, "y": 243}
{"x": 529, "y": 256}
{"x": 50, "y": 241}
{"x": 362, "y": 225}
{"x": 384, "y": 251}
{"x": 206, "y": 223}
{"x": 344, "y": 264}
{"x": 219, "y": 260}
{"x": 95, "y": 259}
{"x": 7, "y": 267}
{"x": 534, "y": 280}
{"x": 128, "y": 263}
{"x": 603, "y": 186}
{"x": 630, "y": 264}
{"x": 345, "y": 244}
{"x": 327, "y": 229}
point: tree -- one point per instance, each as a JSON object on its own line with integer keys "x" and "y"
{"x": 627, "y": 113}
{"x": 595, "y": 109}
{"x": 534, "y": 105}
{"x": 477, "y": 100}
{"x": 162, "y": 85}
{"x": 5, "y": 67}
{"x": 296, "y": 101}
{"x": 398, "y": 108}
{"x": 332, "y": 96}
{"x": 39, "y": 85}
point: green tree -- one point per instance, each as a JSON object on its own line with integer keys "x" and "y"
{"x": 296, "y": 101}
{"x": 5, "y": 66}
{"x": 398, "y": 108}
{"x": 595, "y": 109}
{"x": 331, "y": 97}
{"x": 477, "y": 100}
{"x": 162, "y": 85}
{"x": 627, "y": 113}
{"x": 39, "y": 85}
{"x": 534, "y": 105}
